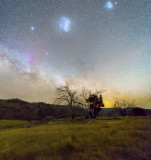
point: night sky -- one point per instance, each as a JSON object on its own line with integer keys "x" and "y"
{"x": 98, "y": 44}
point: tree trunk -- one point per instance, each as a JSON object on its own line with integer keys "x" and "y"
{"x": 72, "y": 113}
{"x": 91, "y": 114}
{"x": 73, "y": 116}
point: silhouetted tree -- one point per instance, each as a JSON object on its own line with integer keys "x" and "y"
{"x": 94, "y": 101}
{"x": 123, "y": 106}
{"x": 68, "y": 97}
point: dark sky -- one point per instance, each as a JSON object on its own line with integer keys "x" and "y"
{"x": 93, "y": 43}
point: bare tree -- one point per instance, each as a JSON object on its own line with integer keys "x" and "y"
{"x": 68, "y": 97}
{"x": 123, "y": 106}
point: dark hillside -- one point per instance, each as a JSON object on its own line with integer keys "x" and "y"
{"x": 148, "y": 112}
{"x": 21, "y": 110}
{"x": 136, "y": 111}
{"x": 16, "y": 109}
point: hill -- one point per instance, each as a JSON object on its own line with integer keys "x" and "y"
{"x": 136, "y": 111}
{"x": 16, "y": 109}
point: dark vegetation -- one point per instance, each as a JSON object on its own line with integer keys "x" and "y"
{"x": 127, "y": 108}
{"x": 136, "y": 111}
{"x": 70, "y": 97}
{"x": 69, "y": 103}
{"x": 96, "y": 102}
{"x": 15, "y": 109}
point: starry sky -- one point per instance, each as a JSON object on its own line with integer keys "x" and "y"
{"x": 98, "y": 44}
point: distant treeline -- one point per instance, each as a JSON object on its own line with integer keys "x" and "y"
{"x": 135, "y": 111}
{"x": 21, "y": 110}
{"x": 15, "y": 109}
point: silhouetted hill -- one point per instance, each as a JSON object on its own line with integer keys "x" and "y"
{"x": 148, "y": 112}
{"x": 18, "y": 109}
{"x": 136, "y": 111}
{"x": 21, "y": 110}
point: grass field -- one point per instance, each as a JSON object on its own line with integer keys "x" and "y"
{"x": 5, "y": 124}
{"x": 100, "y": 139}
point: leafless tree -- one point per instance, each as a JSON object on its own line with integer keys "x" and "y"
{"x": 123, "y": 106}
{"x": 68, "y": 97}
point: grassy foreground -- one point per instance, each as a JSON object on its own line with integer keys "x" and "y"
{"x": 100, "y": 139}
{"x": 5, "y": 124}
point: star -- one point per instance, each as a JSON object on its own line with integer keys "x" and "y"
{"x": 109, "y": 5}
{"x": 32, "y": 28}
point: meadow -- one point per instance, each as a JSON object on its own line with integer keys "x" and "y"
{"x": 5, "y": 124}
{"x": 127, "y": 138}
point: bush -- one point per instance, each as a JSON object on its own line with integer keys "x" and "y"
{"x": 138, "y": 111}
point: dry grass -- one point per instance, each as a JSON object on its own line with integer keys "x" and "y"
{"x": 5, "y": 124}
{"x": 101, "y": 139}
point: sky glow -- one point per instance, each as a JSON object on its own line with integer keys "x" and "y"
{"x": 95, "y": 44}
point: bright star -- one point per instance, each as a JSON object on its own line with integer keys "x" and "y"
{"x": 32, "y": 28}
{"x": 65, "y": 24}
{"x": 109, "y": 5}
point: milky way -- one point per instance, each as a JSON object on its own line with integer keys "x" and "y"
{"x": 96, "y": 43}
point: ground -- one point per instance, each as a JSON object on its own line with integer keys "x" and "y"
{"x": 101, "y": 139}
